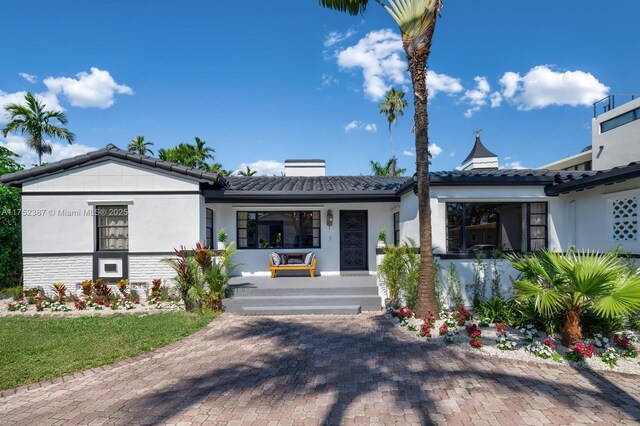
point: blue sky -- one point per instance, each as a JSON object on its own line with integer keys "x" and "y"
{"x": 262, "y": 81}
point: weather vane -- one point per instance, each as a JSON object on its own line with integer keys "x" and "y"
{"x": 477, "y": 132}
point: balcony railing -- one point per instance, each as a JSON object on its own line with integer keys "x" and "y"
{"x": 610, "y": 102}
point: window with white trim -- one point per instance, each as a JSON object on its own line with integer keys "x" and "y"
{"x": 624, "y": 213}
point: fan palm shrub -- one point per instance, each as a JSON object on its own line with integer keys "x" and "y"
{"x": 574, "y": 282}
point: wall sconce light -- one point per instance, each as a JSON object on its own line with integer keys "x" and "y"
{"x": 329, "y": 218}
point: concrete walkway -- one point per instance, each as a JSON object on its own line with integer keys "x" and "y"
{"x": 323, "y": 370}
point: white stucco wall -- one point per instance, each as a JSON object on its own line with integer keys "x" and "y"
{"x": 588, "y": 217}
{"x": 620, "y": 146}
{"x": 255, "y": 261}
{"x": 157, "y": 223}
{"x": 63, "y": 223}
{"x": 465, "y": 271}
{"x": 111, "y": 175}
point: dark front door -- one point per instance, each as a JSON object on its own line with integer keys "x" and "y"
{"x": 353, "y": 240}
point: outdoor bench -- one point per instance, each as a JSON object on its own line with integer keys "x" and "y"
{"x": 292, "y": 262}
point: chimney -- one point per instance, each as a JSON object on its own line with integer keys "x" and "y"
{"x": 480, "y": 158}
{"x": 304, "y": 168}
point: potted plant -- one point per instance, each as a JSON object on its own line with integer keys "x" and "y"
{"x": 382, "y": 239}
{"x": 222, "y": 239}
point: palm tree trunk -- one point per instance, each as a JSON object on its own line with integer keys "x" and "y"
{"x": 393, "y": 153}
{"x": 572, "y": 332}
{"x": 418, "y": 68}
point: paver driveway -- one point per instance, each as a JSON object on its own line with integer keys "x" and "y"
{"x": 319, "y": 370}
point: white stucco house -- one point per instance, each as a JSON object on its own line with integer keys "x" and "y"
{"x": 113, "y": 214}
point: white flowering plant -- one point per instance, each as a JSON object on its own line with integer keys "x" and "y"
{"x": 544, "y": 350}
{"x": 610, "y": 357}
{"x": 19, "y": 305}
{"x": 600, "y": 342}
{"x": 59, "y": 307}
{"x": 484, "y": 322}
{"x": 504, "y": 342}
{"x": 529, "y": 333}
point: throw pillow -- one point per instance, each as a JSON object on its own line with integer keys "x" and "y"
{"x": 275, "y": 259}
{"x": 309, "y": 258}
{"x": 295, "y": 261}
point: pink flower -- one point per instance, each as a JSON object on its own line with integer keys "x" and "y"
{"x": 549, "y": 343}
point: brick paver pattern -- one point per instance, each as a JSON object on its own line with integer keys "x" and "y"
{"x": 324, "y": 370}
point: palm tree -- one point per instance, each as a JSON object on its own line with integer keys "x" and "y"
{"x": 573, "y": 282}
{"x": 392, "y": 108}
{"x": 380, "y": 170}
{"x": 140, "y": 146}
{"x": 417, "y": 22}
{"x": 33, "y": 120}
{"x": 202, "y": 153}
{"x": 247, "y": 172}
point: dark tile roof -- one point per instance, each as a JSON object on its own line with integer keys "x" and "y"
{"x": 593, "y": 178}
{"x": 111, "y": 152}
{"x": 479, "y": 151}
{"x": 318, "y": 184}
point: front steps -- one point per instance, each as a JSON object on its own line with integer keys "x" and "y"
{"x": 311, "y": 296}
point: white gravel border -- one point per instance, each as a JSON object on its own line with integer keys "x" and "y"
{"x": 461, "y": 342}
{"x": 140, "y": 308}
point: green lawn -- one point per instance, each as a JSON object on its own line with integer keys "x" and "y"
{"x": 34, "y": 349}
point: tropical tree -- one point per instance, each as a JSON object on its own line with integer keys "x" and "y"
{"x": 195, "y": 156}
{"x": 202, "y": 153}
{"x": 392, "y": 108}
{"x": 247, "y": 172}
{"x": 417, "y": 21}
{"x": 140, "y": 146}
{"x": 385, "y": 170}
{"x": 10, "y": 223}
{"x": 574, "y": 282}
{"x": 36, "y": 122}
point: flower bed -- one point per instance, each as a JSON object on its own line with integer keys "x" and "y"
{"x": 614, "y": 353}
{"x": 98, "y": 298}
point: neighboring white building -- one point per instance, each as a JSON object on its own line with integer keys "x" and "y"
{"x": 615, "y": 137}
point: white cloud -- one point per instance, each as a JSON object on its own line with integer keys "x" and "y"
{"x": 351, "y": 126}
{"x": 264, "y": 167}
{"x": 359, "y": 125}
{"x": 442, "y": 83}
{"x": 328, "y": 80}
{"x": 48, "y": 99}
{"x": 452, "y": 154}
{"x": 370, "y": 127}
{"x": 29, "y": 77}
{"x": 509, "y": 82}
{"x": 381, "y": 57}
{"x": 94, "y": 89}
{"x": 496, "y": 99}
{"x": 477, "y": 97}
{"x": 512, "y": 165}
{"x": 378, "y": 55}
{"x": 408, "y": 153}
{"x": 435, "y": 150}
{"x": 60, "y": 150}
{"x": 542, "y": 87}
{"x": 335, "y": 37}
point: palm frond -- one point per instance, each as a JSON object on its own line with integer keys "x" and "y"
{"x": 623, "y": 298}
{"x": 414, "y": 17}
{"x": 352, "y": 7}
